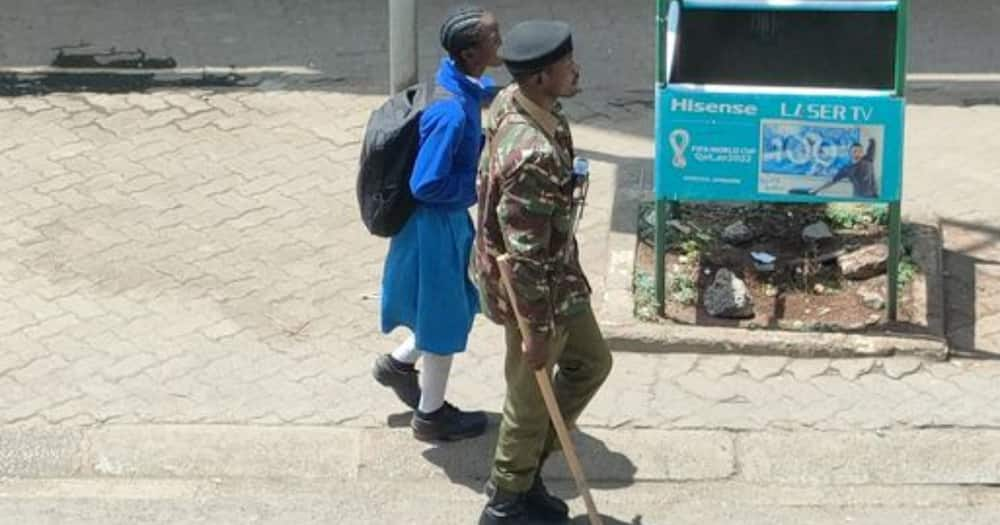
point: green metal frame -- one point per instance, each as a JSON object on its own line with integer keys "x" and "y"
{"x": 661, "y": 205}
{"x": 896, "y": 208}
{"x": 665, "y": 209}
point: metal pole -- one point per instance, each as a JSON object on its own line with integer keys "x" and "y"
{"x": 896, "y": 208}
{"x": 895, "y": 249}
{"x": 661, "y": 42}
{"x": 661, "y": 205}
{"x": 902, "y": 33}
{"x": 402, "y": 44}
{"x": 661, "y": 251}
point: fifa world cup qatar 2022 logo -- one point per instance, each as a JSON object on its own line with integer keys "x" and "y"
{"x": 680, "y": 140}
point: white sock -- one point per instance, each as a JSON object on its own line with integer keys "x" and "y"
{"x": 407, "y": 352}
{"x": 434, "y": 381}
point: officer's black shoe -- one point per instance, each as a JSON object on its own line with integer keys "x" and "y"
{"x": 402, "y": 378}
{"x": 505, "y": 508}
{"x": 545, "y": 505}
{"x": 448, "y": 424}
{"x": 536, "y": 506}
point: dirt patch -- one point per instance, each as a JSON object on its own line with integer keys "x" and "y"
{"x": 805, "y": 290}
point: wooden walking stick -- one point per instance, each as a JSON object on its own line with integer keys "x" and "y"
{"x": 545, "y": 385}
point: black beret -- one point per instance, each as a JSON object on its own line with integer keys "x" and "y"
{"x": 531, "y": 46}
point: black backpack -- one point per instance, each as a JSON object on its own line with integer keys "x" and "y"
{"x": 392, "y": 139}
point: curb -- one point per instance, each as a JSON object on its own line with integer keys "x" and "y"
{"x": 347, "y": 454}
{"x": 611, "y": 457}
{"x": 47, "y": 79}
{"x": 663, "y": 338}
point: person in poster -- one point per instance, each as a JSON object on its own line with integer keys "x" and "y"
{"x": 860, "y": 173}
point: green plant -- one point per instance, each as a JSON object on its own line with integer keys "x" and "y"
{"x": 647, "y": 223}
{"x": 846, "y": 216}
{"x": 692, "y": 248}
{"x": 908, "y": 270}
{"x": 683, "y": 289}
{"x": 644, "y": 291}
{"x": 880, "y": 214}
{"x": 908, "y": 267}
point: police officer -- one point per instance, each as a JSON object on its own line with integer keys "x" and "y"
{"x": 526, "y": 221}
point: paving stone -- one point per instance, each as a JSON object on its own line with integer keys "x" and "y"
{"x": 853, "y": 368}
{"x": 805, "y": 369}
{"x": 158, "y": 218}
{"x": 40, "y": 452}
{"x": 714, "y": 366}
{"x": 761, "y": 368}
{"x": 834, "y": 458}
{"x": 175, "y": 451}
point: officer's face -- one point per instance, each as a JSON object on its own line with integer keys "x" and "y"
{"x": 563, "y": 78}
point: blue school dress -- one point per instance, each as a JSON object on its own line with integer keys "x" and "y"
{"x": 425, "y": 282}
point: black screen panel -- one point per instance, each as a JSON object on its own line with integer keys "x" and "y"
{"x": 833, "y": 49}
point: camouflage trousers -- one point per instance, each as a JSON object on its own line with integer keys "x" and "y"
{"x": 527, "y": 437}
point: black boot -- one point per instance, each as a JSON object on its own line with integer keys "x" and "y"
{"x": 504, "y": 508}
{"x": 402, "y": 378}
{"x": 536, "y": 506}
{"x": 448, "y": 424}
{"x": 546, "y": 506}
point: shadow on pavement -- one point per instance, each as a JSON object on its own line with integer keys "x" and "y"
{"x": 962, "y": 284}
{"x": 468, "y": 463}
{"x": 633, "y": 184}
{"x": 608, "y": 520}
{"x": 400, "y": 420}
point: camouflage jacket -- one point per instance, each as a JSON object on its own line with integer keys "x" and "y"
{"x": 526, "y": 212}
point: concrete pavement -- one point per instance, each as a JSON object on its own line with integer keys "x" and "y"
{"x": 284, "y": 502}
{"x": 179, "y": 260}
{"x": 614, "y": 457}
{"x": 188, "y": 314}
{"x": 195, "y": 257}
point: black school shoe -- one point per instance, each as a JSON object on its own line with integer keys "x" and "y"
{"x": 448, "y": 424}
{"x": 402, "y": 378}
{"x": 536, "y": 503}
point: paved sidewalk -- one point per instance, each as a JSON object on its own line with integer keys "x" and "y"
{"x": 188, "y": 302}
{"x": 951, "y": 174}
{"x": 195, "y": 257}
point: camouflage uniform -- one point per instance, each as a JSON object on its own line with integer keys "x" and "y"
{"x": 526, "y": 213}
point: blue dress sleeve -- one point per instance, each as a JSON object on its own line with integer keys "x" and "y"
{"x": 441, "y": 128}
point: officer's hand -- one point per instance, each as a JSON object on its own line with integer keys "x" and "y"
{"x": 535, "y": 350}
